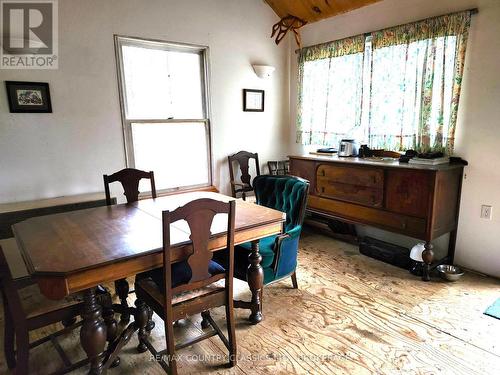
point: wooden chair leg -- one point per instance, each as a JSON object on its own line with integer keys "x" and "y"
{"x": 169, "y": 337}
{"x": 9, "y": 334}
{"x": 204, "y": 321}
{"x": 294, "y": 281}
{"x": 151, "y": 323}
{"x": 22, "y": 352}
{"x": 231, "y": 333}
{"x": 68, "y": 323}
{"x": 122, "y": 289}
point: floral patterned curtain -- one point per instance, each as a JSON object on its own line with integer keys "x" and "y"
{"x": 416, "y": 78}
{"x": 396, "y": 89}
{"x": 324, "y": 71}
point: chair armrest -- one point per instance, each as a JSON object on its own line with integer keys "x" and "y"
{"x": 284, "y": 240}
{"x": 239, "y": 184}
{"x": 293, "y": 233}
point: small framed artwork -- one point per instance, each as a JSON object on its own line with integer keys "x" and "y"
{"x": 253, "y": 100}
{"x": 28, "y": 97}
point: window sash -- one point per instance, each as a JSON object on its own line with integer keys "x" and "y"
{"x": 121, "y": 41}
{"x": 205, "y": 123}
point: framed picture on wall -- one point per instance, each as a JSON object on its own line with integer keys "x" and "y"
{"x": 253, "y": 100}
{"x": 28, "y": 97}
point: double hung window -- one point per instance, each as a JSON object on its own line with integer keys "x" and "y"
{"x": 164, "y": 98}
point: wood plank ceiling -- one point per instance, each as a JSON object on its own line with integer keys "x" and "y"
{"x": 315, "y": 10}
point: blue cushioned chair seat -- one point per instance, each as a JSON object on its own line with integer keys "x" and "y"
{"x": 181, "y": 274}
{"x": 266, "y": 250}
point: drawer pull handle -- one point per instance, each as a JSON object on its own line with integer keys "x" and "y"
{"x": 404, "y": 224}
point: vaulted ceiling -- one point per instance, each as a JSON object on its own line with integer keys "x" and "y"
{"x": 315, "y": 10}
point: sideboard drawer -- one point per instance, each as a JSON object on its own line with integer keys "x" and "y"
{"x": 369, "y": 177}
{"x": 408, "y": 225}
{"x": 367, "y": 196}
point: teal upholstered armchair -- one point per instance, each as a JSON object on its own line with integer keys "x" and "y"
{"x": 279, "y": 253}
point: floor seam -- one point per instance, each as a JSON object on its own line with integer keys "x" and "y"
{"x": 404, "y": 312}
{"x": 449, "y": 334}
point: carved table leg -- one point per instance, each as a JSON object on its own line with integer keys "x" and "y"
{"x": 93, "y": 332}
{"x": 112, "y": 330}
{"x": 427, "y": 257}
{"x": 141, "y": 318}
{"x": 122, "y": 289}
{"x": 255, "y": 278}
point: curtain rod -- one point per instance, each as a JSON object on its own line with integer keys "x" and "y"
{"x": 472, "y": 12}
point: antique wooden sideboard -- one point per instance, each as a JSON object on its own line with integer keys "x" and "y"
{"x": 420, "y": 201}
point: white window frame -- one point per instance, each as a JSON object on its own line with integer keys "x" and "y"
{"x": 203, "y": 51}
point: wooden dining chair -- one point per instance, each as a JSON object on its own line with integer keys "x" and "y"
{"x": 129, "y": 178}
{"x": 194, "y": 285}
{"x": 242, "y": 158}
{"x": 25, "y": 309}
{"x": 278, "y": 167}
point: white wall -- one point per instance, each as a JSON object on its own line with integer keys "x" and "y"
{"x": 478, "y": 130}
{"x": 66, "y": 152}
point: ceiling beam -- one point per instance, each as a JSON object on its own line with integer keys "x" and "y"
{"x": 315, "y": 10}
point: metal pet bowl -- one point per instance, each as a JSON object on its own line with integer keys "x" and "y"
{"x": 449, "y": 272}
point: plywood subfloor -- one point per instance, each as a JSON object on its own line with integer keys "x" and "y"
{"x": 351, "y": 315}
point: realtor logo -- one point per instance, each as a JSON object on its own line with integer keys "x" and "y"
{"x": 29, "y": 34}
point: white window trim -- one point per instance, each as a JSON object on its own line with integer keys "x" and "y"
{"x": 127, "y": 123}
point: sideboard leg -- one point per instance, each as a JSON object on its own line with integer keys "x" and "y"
{"x": 427, "y": 256}
{"x": 451, "y": 246}
{"x": 255, "y": 278}
{"x": 93, "y": 333}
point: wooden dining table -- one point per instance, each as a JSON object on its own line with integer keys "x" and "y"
{"x": 76, "y": 251}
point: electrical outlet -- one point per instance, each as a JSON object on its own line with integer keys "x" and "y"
{"x": 486, "y": 212}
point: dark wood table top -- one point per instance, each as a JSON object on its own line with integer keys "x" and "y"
{"x": 72, "y": 242}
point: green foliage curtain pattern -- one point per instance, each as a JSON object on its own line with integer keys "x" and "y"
{"x": 401, "y": 91}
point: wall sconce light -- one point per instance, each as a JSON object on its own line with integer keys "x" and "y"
{"x": 263, "y": 71}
